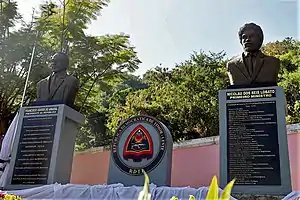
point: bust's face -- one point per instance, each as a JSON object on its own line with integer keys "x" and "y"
{"x": 250, "y": 40}
{"x": 58, "y": 63}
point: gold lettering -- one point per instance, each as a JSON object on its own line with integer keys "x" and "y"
{"x": 135, "y": 171}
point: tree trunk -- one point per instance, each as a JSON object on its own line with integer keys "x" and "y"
{"x": 6, "y": 117}
{"x": 3, "y": 128}
{"x": 3, "y": 117}
{"x": 3, "y": 125}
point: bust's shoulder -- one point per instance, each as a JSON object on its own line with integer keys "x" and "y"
{"x": 234, "y": 60}
{"x": 72, "y": 79}
{"x": 271, "y": 58}
{"x": 43, "y": 80}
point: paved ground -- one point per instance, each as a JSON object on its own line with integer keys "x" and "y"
{"x": 256, "y": 197}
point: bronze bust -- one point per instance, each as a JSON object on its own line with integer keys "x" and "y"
{"x": 59, "y": 86}
{"x": 253, "y": 68}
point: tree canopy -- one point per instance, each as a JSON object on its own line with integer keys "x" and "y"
{"x": 184, "y": 98}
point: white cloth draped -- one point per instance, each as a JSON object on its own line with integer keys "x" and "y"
{"x": 114, "y": 192}
{"x": 107, "y": 192}
{"x": 8, "y": 138}
{"x": 293, "y": 195}
{"x": 6, "y": 148}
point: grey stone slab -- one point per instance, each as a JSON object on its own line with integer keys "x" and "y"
{"x": 141, "y": 142}
{"x": 43, "y": 147}
{"x": 267, "y": 130}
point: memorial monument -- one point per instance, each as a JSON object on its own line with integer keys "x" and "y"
{"x": 253, "y": 138}
{"x": 59, "y": 86}
{"x": 252, "y": 67}
{"x": 141, "y": 142}
{"x": 44, "y": 142}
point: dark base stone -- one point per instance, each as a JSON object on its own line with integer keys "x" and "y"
{"x": 52, "y": 102}
{"x": 253, "y": 85}
{"x": 256, "y": 197}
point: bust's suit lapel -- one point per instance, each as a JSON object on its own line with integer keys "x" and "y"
{"x": 258, "y": 66}
{"x": 240, "y": 63}
{"x": 47, "y": 85}
{"x": 54, "y": 90}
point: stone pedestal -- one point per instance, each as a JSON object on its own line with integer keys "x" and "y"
{"x": 141, "y": 142}
{"x": 253, "y": 141}
{"x": 43, "y": 147}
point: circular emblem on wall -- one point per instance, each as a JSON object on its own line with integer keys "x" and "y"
{"x": 139, "y": 143}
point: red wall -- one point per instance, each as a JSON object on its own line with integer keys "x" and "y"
{"x": 192, "y": 166}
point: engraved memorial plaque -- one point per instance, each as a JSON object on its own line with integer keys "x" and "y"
{"x": 43, "y": 147}
{"x": 34, "y": 151}
{"x": 253, "y": 149}
{"x": 253, "y": 141}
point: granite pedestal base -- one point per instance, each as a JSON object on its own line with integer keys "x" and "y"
{"x": 43, "y": 146}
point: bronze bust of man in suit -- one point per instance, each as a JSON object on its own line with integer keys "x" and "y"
{"x": 253, "y": 68}
{"x": 59, "y": 86}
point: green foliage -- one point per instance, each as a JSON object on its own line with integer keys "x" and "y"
{"x": 96, "y": 61}
{"x": 15, "y": 53}
{"x": 9, "y": 17}
{"x": 96, "y": 133}
{"x": 288, "y": 51}
{"x": 184, "y": 98}
{"x": 66, "y": 22}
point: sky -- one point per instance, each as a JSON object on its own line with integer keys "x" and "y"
{"x": 167, "y": 31}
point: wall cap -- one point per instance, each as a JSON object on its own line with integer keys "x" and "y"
{"x": 291, "y": 129}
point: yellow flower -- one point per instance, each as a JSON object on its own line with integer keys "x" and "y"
{"x": 8, "y": 197}
{"x": 213, "y": 192}
{"x": 11, "y": 197}
{"x": 144, "y": 194}
{"x": 227, "y": 190}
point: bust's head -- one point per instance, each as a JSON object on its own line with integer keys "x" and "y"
{"x": 59, "y": 62}
{"x": 251, "y": 37}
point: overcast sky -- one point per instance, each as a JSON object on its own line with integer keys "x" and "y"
{"x": 168, "y": 31}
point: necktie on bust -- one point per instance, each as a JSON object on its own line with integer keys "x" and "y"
{"x": 250, "y": 62}
{"x": 252, "y": 57}
{"x": 53, "y": 82}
